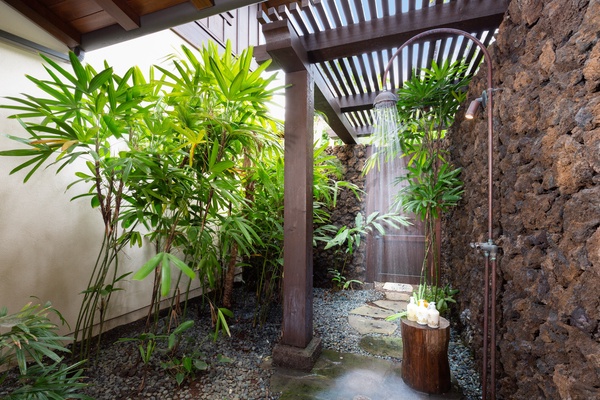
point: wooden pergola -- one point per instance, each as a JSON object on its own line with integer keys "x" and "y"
{"x": 334, "y": 54}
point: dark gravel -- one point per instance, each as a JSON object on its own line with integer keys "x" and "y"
{"x": 238, "y": 366}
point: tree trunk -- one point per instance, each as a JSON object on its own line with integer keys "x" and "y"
{"x": 229, "y": 278}
{"x": 425, "y": 364}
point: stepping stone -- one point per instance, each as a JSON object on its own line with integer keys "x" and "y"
{"x": 397, "y": 287}
{"x": 397, "y": 291}
{"x": 373, "y": 312}
{"x": 397, "y": 296}
{"x": 366, "y": 325}
{"x": 395, "y": 306}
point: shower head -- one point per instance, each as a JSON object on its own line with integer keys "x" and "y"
{"x": 385, "y": 99}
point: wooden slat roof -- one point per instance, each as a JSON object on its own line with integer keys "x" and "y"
{"x": 351, "y": 41}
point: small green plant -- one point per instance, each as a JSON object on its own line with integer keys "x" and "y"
{"x": 219, "y": 319}
{"x": 340, "y": 282}
{"x": 441, "y": 295}
{"x": 181, "y": 368}
{"x": 347, "y": 239}
{"x": 29, "y": 336}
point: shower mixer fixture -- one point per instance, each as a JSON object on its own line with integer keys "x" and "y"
{"x": 489, "y": 248}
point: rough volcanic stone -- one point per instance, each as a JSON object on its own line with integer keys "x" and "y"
{"x": 352, "y": 158}
{"x": 546, "y": 177}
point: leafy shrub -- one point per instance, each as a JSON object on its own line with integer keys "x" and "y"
{"x": 29, "y": 336}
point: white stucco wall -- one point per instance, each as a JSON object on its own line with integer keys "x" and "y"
{"x": 48, "y": 244}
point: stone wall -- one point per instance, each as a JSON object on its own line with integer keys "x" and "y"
{"x": 352, "y": 158}
{"x": 546, "y": 64}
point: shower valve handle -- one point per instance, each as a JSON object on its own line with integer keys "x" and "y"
{"x": 490, "y": 249}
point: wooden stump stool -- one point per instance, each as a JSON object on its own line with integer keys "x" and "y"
{"x": 425, "y": 364}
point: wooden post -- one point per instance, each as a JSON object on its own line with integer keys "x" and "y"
{"x": 425, "y": 365}
{"x": 297, "y": 242}
{"x": 298, "y": 348}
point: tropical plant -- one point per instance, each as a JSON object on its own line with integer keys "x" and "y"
{"x": 346, "y": 239}
{"x": 163, "y": 154}
{"x": 29, "y": 336}
{"x": 264, "y": 268}
{"x": 442, "y": 296}
{"x": 216, "y": 123}
{"x": 426, "y": 106}
{"x": 78, "y": 119}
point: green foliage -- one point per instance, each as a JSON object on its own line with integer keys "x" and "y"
{"x": 30, "y": 336}
{"x": 192, "y": 195}
{"x": 51, "y": 382}
{"x": 426, "y": 106}
{"x": 440, "y": 295}
{"x": 184, "y": 367}
{"x": 181, "y": 366}
{"x": 340, "y": 282}
{"x": 77, "y": 121}
{"x": 346, "y": 239}
{"x": 219, "y": 315}
{"x": 161, "y": 154}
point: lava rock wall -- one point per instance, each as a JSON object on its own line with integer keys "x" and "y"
{"x": 352, "y": 158}
{"x": 546, "y": 63}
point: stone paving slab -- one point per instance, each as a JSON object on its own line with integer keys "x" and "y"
{"x": 397, "y": 287}
{"x": 373, "y": 312}
{"x": 395, "y": 306}
{"x": 397, "y": 296}
{"x": 366, "y": 325}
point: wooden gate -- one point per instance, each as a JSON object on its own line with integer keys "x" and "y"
{"x": 398, "y": 255}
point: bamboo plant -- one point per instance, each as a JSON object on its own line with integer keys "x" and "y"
{"x": 426, "y": 105}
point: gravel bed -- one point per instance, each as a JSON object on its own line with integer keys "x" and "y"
{"x": 238, "y": 367}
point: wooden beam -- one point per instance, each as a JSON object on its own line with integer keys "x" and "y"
{"x": 178, "y": 14}
{"x": 121, "y": 12}
{"x": 47, "y": 20}
{"x": 357, "y": 103}
{"x": 202, "y": 4}
{"x": 285, "y": 48}
{"x": 327, "y": 103}
{"x": 392, "y": 31}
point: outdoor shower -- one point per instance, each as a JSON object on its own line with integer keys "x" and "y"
{"x": 387, "y": 99}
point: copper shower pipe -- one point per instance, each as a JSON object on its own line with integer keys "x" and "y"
{"x": 490, "y": 242}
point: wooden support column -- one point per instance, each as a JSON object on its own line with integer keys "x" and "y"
{"x": 298, "y": 349}
{"x": 298, "y": 203}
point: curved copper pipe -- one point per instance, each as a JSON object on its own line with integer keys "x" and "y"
{"x": 490, "y": 106}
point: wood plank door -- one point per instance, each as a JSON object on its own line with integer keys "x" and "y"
{"x": 398, "y": 255}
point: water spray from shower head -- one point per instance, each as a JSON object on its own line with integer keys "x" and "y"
{"x": 385, "y": 99}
